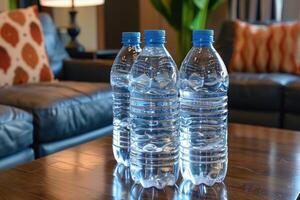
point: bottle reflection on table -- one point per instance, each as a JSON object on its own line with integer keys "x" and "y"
{"x": 188, "y": 191}
{"x": 140, "y": 193}
{"x": 121, "y": 182}
{"x": 124, "y": 188}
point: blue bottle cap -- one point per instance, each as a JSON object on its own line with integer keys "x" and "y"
{"x": 203, "y": 37}
{"x": 131, "y": 38}
{"x": 155, "y": 36}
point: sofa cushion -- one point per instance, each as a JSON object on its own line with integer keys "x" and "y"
{"x": 292, "y": 97}
{"x": 62, "y": 109}
{"x": 263, "y": 91}
{"x": 291, "y": 121}
{"x": 52, "y": 147}
{"x": 18, "y": 158}
{"x": 16, "y": 130}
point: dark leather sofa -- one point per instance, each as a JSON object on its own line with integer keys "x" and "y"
{"x": 40, "y": 119}
{"x": 267, "y": 99}
{"x": 16, "y": 136}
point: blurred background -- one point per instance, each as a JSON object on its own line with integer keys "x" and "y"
{"x": 101, "y": 25}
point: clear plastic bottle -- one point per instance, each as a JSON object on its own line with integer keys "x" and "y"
{"x": 138, "y": 192}
{"x": 188, "y": 191}
{"x": 154, "y": 115}
{"x": 122, "y": 182}
{"x": 119, "y": 82}
{"x": 203, "y": 112}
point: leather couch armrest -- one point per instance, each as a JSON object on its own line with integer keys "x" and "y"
{"x": 87, "y": 70}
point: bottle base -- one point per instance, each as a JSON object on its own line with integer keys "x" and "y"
{"x": 159, "y": 177}
{"x": 187, "y": 190}
{"x": 205, "y": 181}
{"x": 158, "y": 183}
{"x": 196, "y": 174}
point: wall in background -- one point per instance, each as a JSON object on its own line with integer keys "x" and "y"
{"x": 87, "y": 20}
{"x": 97, "y": 27}
{"x": 265, "y": 10}
{"x": 217, "y": 18}
{"x": 120, "y": 16}
{"x": 291, "y": 10}
{"x": 92, "y": 21}
{"x": 4, "y": 5}
{"x": 101, "y": 26}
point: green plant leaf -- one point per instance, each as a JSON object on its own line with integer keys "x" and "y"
{"x": 171, "y": 10}
{"x": 196, "y": 21}
{"x": 185, "y": 16}
{"x": 176, "y": 13}
{"x": 200, "y": 18}
{"x": 187, "y": 13}
{"x": 161, "y": 8}
{"x": 213, "y": 4}
{"x": 167, "y": 6}
{"x": 200, "y": 3}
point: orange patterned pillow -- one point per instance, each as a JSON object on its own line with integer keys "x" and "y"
{"x": 291, "y": 48}
{"x": 23, "y": 57}
{"x": 261, "y": 57}
{"x": 274, "y": 48}
{"x": 276, "y": 52}
{"x": 237, "y": 61}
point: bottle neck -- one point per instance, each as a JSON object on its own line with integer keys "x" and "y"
{"x": 154, "y": 45}
{"x": 202, "y": 44}
{"x": 131, "y": 44}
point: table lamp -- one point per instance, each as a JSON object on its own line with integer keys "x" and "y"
{"x": 73, "y": 29}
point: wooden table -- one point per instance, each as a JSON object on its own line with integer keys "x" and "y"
{"x": 264, "y": 163}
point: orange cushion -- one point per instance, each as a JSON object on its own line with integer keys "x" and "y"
{"x": 274, "y": 48}
{"x": 23, "y": 57}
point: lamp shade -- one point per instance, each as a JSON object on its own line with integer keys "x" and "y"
{"x": 68, "y": 3}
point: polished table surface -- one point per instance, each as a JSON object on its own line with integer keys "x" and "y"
{"x": 264, "y": 163}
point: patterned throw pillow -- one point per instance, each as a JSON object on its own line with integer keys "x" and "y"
{"x": 274, "y": 48}
{"x": 23, "y": 57}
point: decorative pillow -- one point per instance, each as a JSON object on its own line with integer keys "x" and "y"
{"x": 249, "y": 52}
{"x": 23, "y": 58}
{"x": 261, "y": 57}
{"x": 291, "y": 48}
{"x": 274, "y": 48}
{"x": 237, "y": 63}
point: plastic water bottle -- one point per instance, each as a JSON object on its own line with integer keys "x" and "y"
{"x": 122, "y": 183}
{"x": 138, "y": 192}
{"x": 119, "y": 82}
{"x": 188, "y": 191}
{"x": 203, "y": 112}
{"x": 154, "y": 115}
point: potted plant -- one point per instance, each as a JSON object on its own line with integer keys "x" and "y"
{"x": 185, "y": 16}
